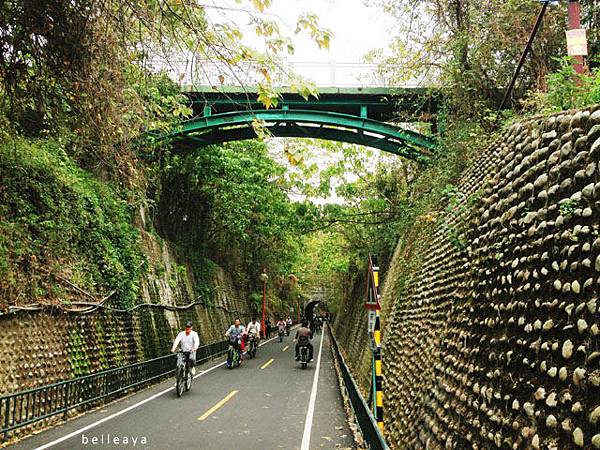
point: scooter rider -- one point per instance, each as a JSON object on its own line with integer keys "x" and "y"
{"x": 281, "y": 325}
{"x": 305, "y": 335}
{"x": 288, "y": 325}
{"x": 190, "y": 341}
{"x": 234, "y": 333}
{"x": 254, "y": 328}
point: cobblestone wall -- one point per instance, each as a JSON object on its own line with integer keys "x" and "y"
{"x": 496, "y": 344}
{"x": 351, "y": 330}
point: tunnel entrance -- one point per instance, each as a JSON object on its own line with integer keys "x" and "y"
{"x": 309, "y": 309}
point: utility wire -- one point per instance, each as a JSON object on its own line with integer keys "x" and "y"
{"x": 536, "y": 27}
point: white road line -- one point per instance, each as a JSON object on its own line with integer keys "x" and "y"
{"x": 268, "y": 340}
{"x": 123, "y": 411}
{"x": 311, "y": 403}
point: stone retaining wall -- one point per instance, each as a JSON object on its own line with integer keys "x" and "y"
{"x": 496, "y": 344}
{"x": 40, "y": 348}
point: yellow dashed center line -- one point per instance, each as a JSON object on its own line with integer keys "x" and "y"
{"x": 218, "y": 405}
{"x": 265, "y": 365}
{"x": 285, "y": 348}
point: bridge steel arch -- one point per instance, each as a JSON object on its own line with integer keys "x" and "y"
{"x": 240, "y": 125}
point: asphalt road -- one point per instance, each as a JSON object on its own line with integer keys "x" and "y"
{"x": 263, "y": 404}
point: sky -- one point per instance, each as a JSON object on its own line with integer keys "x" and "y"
{"x": 357, "y": 30}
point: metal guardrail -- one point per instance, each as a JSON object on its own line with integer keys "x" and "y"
{"x": 24, "y": 408}
{"x": 194, "y": 72}
{"x": 366, "y": 422}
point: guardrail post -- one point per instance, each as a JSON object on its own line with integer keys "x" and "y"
{"x": 364, "y": 417}
{"x": 66, "y": 401}
{"x": 6, "y": 415}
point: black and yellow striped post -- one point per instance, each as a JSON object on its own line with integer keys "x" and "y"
{"x": 375, "y": 330}
{"x": 378, "y": 373}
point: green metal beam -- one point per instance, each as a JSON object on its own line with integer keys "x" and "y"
{"x": 383, "y": 104}
{"x": 325, "y": 118}
{"x": 218, "y": 136}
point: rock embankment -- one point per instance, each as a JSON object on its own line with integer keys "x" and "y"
{"x": 496, "y": 344}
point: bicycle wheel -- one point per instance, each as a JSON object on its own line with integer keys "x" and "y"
{"x": 179, "y": 384}
{"x": 189, "y": 380}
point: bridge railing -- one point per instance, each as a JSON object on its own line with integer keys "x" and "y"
{"x": 322, "y": 74}
{"x": 27, "y": 407}
{"x": 366, "y": 422}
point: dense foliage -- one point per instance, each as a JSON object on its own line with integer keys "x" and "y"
{"x": 470, "y": 48}
{"x": 79, "y": 89}
{"x": 566, "y": 89}
{"x": 227, "y": 203}
{"x": 70, "y": 69}
{"x": 79, "y": 92}
{"x": 62, "y": 233}
{"x": 375, "y": 202}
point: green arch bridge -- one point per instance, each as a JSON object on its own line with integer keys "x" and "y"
{"x": 365, "y": 116}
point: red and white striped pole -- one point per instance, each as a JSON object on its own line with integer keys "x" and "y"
{"x": 575, "y": 24}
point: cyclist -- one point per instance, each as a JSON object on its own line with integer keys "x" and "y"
{"x": 253, "y": 329}
{"x": 303, "y": 337}
{"x": 312, "y": 325}
{"x": 190, "y": 342}
{"x": 281, "y": 324}
{"x": 234, "y": 333}
{"x": 319, "y": 323}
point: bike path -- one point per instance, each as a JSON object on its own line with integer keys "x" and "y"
{"x": 262, "y": 404}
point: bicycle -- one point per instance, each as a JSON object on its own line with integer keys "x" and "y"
{"x": 184, "y": 378}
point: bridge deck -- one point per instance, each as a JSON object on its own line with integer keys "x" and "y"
{"x": 269, "y": 410}
{"x": 382, "y": 104}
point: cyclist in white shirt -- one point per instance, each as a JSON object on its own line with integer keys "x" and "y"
{"x": 281, "y": 324}
{"x": 254, "y": 328}
{"x": 190, "y": 341}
